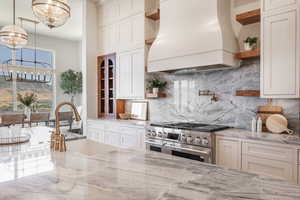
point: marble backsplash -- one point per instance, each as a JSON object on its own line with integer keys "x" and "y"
{"x": 184, "y": 104}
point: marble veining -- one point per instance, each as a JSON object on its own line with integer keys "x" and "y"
{"x": 265, "y": 136}
{"x": 93, "y": 171}
{"x": 184, "y": 104}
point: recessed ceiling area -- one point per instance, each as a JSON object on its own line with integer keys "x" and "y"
{"x": 72, "y": 30}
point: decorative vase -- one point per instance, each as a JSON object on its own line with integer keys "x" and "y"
{"x": 155, "y": 90}
{"x": 27, "y": 112}
{"x": 249, "y": 47}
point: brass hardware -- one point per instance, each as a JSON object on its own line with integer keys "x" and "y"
{"x": 58, "y": 141}
{"x": 209, "y": 93}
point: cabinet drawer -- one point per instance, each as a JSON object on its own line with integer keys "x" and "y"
{"x": 266, "y": 167}
{"x": 271, "y": 152}
{"x": 269, "y": 5}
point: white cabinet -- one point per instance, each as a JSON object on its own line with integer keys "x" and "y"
{"x": 130, "y": 7}
{"x": 264, "y": 158}
{"x": 131, "y": 74}
{"x": 108, "y": 39}
{"x": 272, "y": 160}
{"x": 131, "y": 33}
{"x": 269, "y": 5}
{"x": 112, "y": 138}
{"x": 124, "y": 76}
{"x": 280, "y": 69}
{"x": 116, "y": 134}
{"x": 228, "y": 152}
{"x": 273, "y": 168}
{"x": 130, "y": 140}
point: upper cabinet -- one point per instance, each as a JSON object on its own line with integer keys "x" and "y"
{"x": 131, "y": 33}
{"x": 269, "y": 5}
{"x": 131, "y": 75}
{"x": 130, "y": 7}
{"x": 280, "y": 69}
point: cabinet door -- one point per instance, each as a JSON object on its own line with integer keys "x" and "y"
{"x": 130, "y": 141}
{"x": 108, "y": 39}
{"x": 266, "y": 167}
{"x": 138, "y": 74}
{"x": 280, "y": 68}
{"x": 275, "y": 4}
{"x": 112, "y": 139}
{"x": 125, "y": 8}
{"x": 228, "y": 153}
{"x": 124, "y": 76}
{"x": 138, "y": 31}
{"x": 125, "y": 35}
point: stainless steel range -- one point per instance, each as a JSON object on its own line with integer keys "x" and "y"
{"x": 189, "y": 140}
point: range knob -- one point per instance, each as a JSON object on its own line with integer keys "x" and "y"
{"x": 205, "y": 141}
{"x": 183, "y": 138}
{"x": 189, "y": 139}
{"x": 149, "y": 133}
{"x": 153, "y": 133}
{"x": 159, "y": 134}
{"x": 197, "y": 140}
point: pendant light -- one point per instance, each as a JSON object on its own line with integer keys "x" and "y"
{"x": 13, "y": 36}
{"x": 53, "y": 13}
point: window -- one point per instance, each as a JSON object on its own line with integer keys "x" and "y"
{"x": 26, "y": 58}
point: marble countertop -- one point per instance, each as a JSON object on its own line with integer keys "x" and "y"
{"x": 268, "y": 137}
{"x": 125, "y": 122}
{"x": 93, "y": 171}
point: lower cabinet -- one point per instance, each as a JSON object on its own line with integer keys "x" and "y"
{"x": 117, "y": 134}
{"x": 273, "y": 168}
{"x": 228, "y": 152}
{"x": 264, "y": 158}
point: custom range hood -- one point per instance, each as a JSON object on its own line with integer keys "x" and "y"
{"x": 194, "y": 34}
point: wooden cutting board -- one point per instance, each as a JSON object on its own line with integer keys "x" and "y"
{"x": 266, "y": 111}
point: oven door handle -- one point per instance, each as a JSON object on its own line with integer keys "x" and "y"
{"x": 190, "y": 150}
{"x": 154, "y": 143}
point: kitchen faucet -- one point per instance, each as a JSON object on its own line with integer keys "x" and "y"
{"x": 58, "y": 141}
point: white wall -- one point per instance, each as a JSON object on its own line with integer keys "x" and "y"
{"x": 67, "y": 56}
{"x": 89, "y": 58}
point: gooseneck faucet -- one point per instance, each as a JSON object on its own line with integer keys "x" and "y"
{"x": 58, "y": 141}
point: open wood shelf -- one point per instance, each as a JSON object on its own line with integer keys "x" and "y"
{"x": 250, "y": 17}
{"x": 149, "y": 41}
{"x": 248, "y": 93}
{"x": 248, "y": 54}
{"x": 154, "y": 15}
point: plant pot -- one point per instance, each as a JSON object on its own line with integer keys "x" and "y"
{"x": 249, "y": 47}
{"x": 27, "y": 112}
{"x": 155, "y": 90}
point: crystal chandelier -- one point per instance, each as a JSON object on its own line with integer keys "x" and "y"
{"x": 13, "y": 36}
{"x": 53, "y": 13}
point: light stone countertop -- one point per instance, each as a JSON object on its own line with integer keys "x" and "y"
{"x": 232, "y": 132}
{"x": 123, "y": 122}
{"x": 93, "y": 171}
{"x": 267, "y": 137}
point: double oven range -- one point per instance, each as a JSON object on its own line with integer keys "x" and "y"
{"x": 194, "y": 141}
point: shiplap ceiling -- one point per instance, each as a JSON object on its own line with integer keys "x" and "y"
{"x": 72, "y": 30}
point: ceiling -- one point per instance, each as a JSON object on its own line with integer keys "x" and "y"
{"x": 72, "y": 30}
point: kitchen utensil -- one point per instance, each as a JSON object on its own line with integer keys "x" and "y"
{"x": 278, "y": 124}
{"x": 266, "y": 111}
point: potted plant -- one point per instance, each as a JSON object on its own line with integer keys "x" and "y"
{"x": 250, "y": 43}
{"x": 27, "y": 101}
{"x": 155, "y": 85}
{"x": 71, "y": 83}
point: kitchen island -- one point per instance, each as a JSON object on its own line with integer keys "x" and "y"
{"x": 89, "y": 170}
